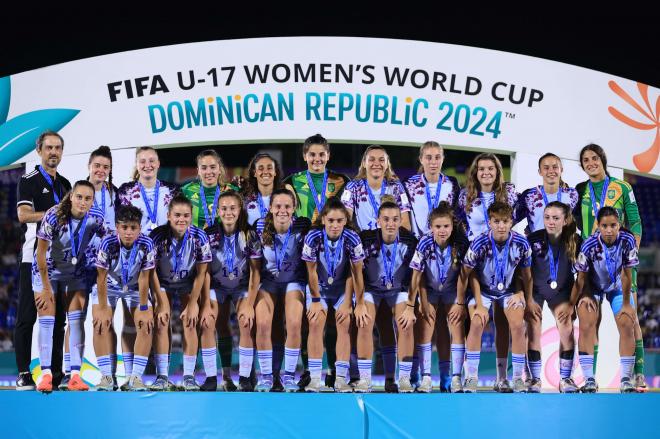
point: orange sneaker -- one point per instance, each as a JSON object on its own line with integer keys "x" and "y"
{"x": 46, "y": 383}
{"x": 76, "y": 383}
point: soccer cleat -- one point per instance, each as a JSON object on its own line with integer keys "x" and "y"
{"x": 470, "y": 385}
{"x": 640, "y": 383}
{"x": 456, "y": 385}
{"x": 135, "y": 384}
{"x": 115, "y": 384}
{"x": 390, "y": 386}
{"x": 590, "y": 386}
{"x": 289, "y": 383}
{"x": 426, "y": 386}
{"x": 304, "y": 380}
{"x": 277, "y": 384}
{"x": 76, "y": 384}
{"x": 245, "y": 384}
{"x": 105, "y": 385}
{"x": 46, "y": 383}
{"x": 161, "y": 384}
{"x": 189, "y": 384}
{"x": 534, "y": 385}
{"x": 445, "y": 384}
{"x": 519, "y": 386}
{"x": 64, "y": 384}
{"x": 363, "y": 386}
{"x": 314, "y": 385}
{"x": 210, "y": 385}
{"x": 405, "y": 386}
{"x": 567, "y": 385}
{"x": 330, "y": 380}
{"x": 341, "y": 386}
{"x": 502, "y": 386}
{"x": 627, "y": 386}
{"x": 25, "y": 381}
{"x": 125, "y": 387}
{"x": 265, "y": 384}
{"x": 228, "y": 384}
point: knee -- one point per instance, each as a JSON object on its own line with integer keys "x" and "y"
{"x": 293, "y": 324}
{"x": 263, "y": 325}
{"x": 517, "y": 327}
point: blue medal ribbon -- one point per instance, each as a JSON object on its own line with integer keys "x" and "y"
{"x": 77, "y": 237}
{"x": 96, "y": 204}
{"x": 372, "y": 199}
{"x": 443, "y": 267}
{"x": 125, "y": 265}
{"x": 151, "y": 213}
{"x": 50, "y": 182}
{"x": 230, "y": 253}
{"x": 541, "y": 190}
{"x": 179, "y": 253}
{"x": 262, "y": 209}
{"x": 484, "y": 208}
{"x": 319, "y": 201}
{"x": 436, "y": 198}
{"x": 331, "y": 263}
{"x": 209, "y": 216}
{"x": 554, "y": 263}
{"x": 501, "y": 260}
{"x": 595, "y": 207}
{"x": 388, "y": 263}
{"x": 280, "y": 254}
{"x": 611, "y": 257}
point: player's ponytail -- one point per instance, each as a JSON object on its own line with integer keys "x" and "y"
{"x": 269, "y": 222}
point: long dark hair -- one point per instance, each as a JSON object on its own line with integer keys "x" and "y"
{"x": 252, "y": 186}
{"x": 104, "y": 151}
{"x": 599, "y": 151}
{"x": 242, "y": 221}
{"x": 444, "y": 210}
{"x": 63, "y": 213}
{"x": 333, "y": 203}
{"x": 269, "y": 222}
{"x": 473, "y": 186}
{"x": 569, "y": 235}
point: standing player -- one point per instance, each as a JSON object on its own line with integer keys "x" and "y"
{"x": 124, "y": 264}
{"x": 485, "y": 185}
{"x": 282, "y": 274}
{"x": 333, "y": 253}
{"x": 604, "y": 190}
{"x": 264, "y": 176}
{"x": 182, "y": 257}
{"x": 389, "y": 250}
{"x": 436, "y": 265}
{"x": 59, "y": 268}
{"x": 606, "y": 259}
{"x": 554, "y": 251}
{"x": 494, "y": 256}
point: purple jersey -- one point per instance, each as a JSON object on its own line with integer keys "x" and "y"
{"x": 475, "y": 219}
{"x": 531, "y": 205}
{"x": 422, "y": 205}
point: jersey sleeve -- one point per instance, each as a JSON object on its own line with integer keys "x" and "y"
{"x": 24, "y": 193}
{"x": 474, "y": 254}
{"x": 103, "y": 255}
{"x": 48, "y": 227}
{"x": 525, "y": 254}
{"x": 633, "y": 220}
{"x": 521, "y": 211}
{"x": 582, "y": 261}
{"x": 418, "y": 262}
{"x": 310, "y": 247}
{"x": 254, "y": 249}
{"x": 348, "y": 196}
{"x": 356, "y": 251}
{"x": 629, "y": 255}
{"x": 401, "y": 197}
{"x": 149, "y": 259}
{"x": 203, "y": 251}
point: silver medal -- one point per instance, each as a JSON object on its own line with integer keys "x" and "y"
{"x": 389, "y": 285}
{"x": 553, "y": 285}
{"x": 175, "y": 277}
{"x": 330, "y": 280}
{"x": 232, "y": 276}
{"x": 74, "y": 260}
{"x": 500, "y": 286}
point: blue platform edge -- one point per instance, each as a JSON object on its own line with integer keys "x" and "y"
{"x": 273, "y": 415}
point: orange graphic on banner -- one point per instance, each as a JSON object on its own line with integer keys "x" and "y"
{"x": 646, "y": 160}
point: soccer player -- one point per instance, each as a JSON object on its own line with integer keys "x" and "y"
{"x": 264, "y": 176}
{"x": 554, "y": 252}
{"x": 494, "y": 256}
{"x": 485, "y": 185}
{"x": 282, "y": 276}
{"x": 182, "y": 257}
{"x": 59, "y": 268}
{"x": 333, "y": 253}
{"x": 532, "y": 202}
{"x": 604, "y": 190}
{"x": 124, "y": 264}
{"x": 389, "y": 250}
{"x": 606, "y": 261}
{"x": 436, "y": 266}
{"x": 233, "y": 270}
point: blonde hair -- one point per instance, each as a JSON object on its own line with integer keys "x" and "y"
{"x": 473, "y": 186}
{"x": 389, "y": 172}
{"x": 136, "y": 174}
{"x": 426, "y": 145}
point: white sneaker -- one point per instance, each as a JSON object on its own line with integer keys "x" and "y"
{"x": 314, "y": 385}
{"x": 363, "y": 386}
{"x": 106, "y": 384}
{"x": 341, "y": 386}
{"x": 426, "y": 386}
{"x": 405, "y": 386}
{"x": 456, "y": 385}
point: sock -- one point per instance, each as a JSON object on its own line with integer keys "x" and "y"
{"x": 330, "y": 341}
{"x": 457, "y": 358}
{"x": 341, "y": 368}
{"x": 67, "y": 363}
{"x": 595, "y": 357}
{"x": 290, "y": 360}
{"x": 405, "y": 367}
{"x": 639, "y": 356}
{"x": 353, "y": 370}
{"x": 105, "y": 364}
{"x": 127, "y": 358}
{"x": 627, "y": 364}
{"x": 278, "y": 356}
{"x": 139, "y": 364}
{"x": 209, "y": 361}
{"x": 364, "y": 366}
{"x": 425, "y": 351}
{"x": 389, "y": 360}
{"x": 565, "y": 364}
{"x": 443, "y": 366}
{"x": 501, "y": 368}
{"x": 587, "y": 365}
{"x": 414, "y": 373}
{"x": 534, "y": 361}
{"x": 225, "y": 347}
{"x": 113, "y": 364}
{"x": 245, "y": 360}
{"x": 75, "y": 338}
{"x": 46, "y": 325}
{"x": 518, "y": 361}
{"x": 473, "y": 358}
{"x": 265, "y": 362}
{"x": 189, "y": 364}
{"x": 162, "y": 364}
{"x": 315, "y": 366}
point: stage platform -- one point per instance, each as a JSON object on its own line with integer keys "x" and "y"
{"x": 297, "y": 415}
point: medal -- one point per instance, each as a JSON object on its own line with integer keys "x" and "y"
{"x": 500, "y": 260}
{"x": 178, "y": 254}
{"x": 442, "y": 268}
{"x": 500, "y": 286}
{"x": 389, "y": 285}
{"x": 126, "y": 265}
{"x": 436, "y": 198}
{"x": 231, "y": 276}
{"x": 611, "y": 257}
{"x": 175, "y": 277}
{"x": 553, "y": 285}
{"x": 330, "y": 280}
{"x": 209, "y": 216}
{"x": 152, "y": 214}
{"x": 74, "y": 260}
{"x": 372, "y": 200}
{"x": 281, "y": 253}
{"x": 125, "y": 288}
{"x": 230, "y": 254}
{"x": 388, "y": 262}
{"x": 332, "y": 262}
{"x": 319, "y": 200}
{"x": 50, "y": 182}
{"x": 595, "y": 207}
{"x": 77, "y": 237}
{"x": 554, "y": 266}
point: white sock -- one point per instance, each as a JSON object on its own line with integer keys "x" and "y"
{"x": 290, "y": 360}
{"x": 364, "y": 366}
{"x": 278, "y": 356}
{"x": 75, "y": 338}
{"x": 501, "y": 368}
{"x": 389, "y": 360}
{"x": 105, "y": 364}
{"x": 315, "y": 367}
{"x": 46, "y": 325}
{"x": 535, "y": 369}
{"x": 189, "y": 364}
{"x": 587, "y": 365}
{"x": 113, "y": 364}
{"x": 265, "y": 362}
{"x": 518, "y": 361}
{"x": 424, "y": 352}
{"x": 67, "y": 362}
{"x": 627, "y": 364}
{"x": 127, "y": 358}
{"x": 139, "y": 364}
{"x": 342, "y": 368}
{"x": 457, "y": 358}
{"x": 245, "y": 360}
{"x": 210, "y": 361}
{"x": 162, "y": 364}
{"x": 473, "y": 357}
{"x": 404, "y": 369}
